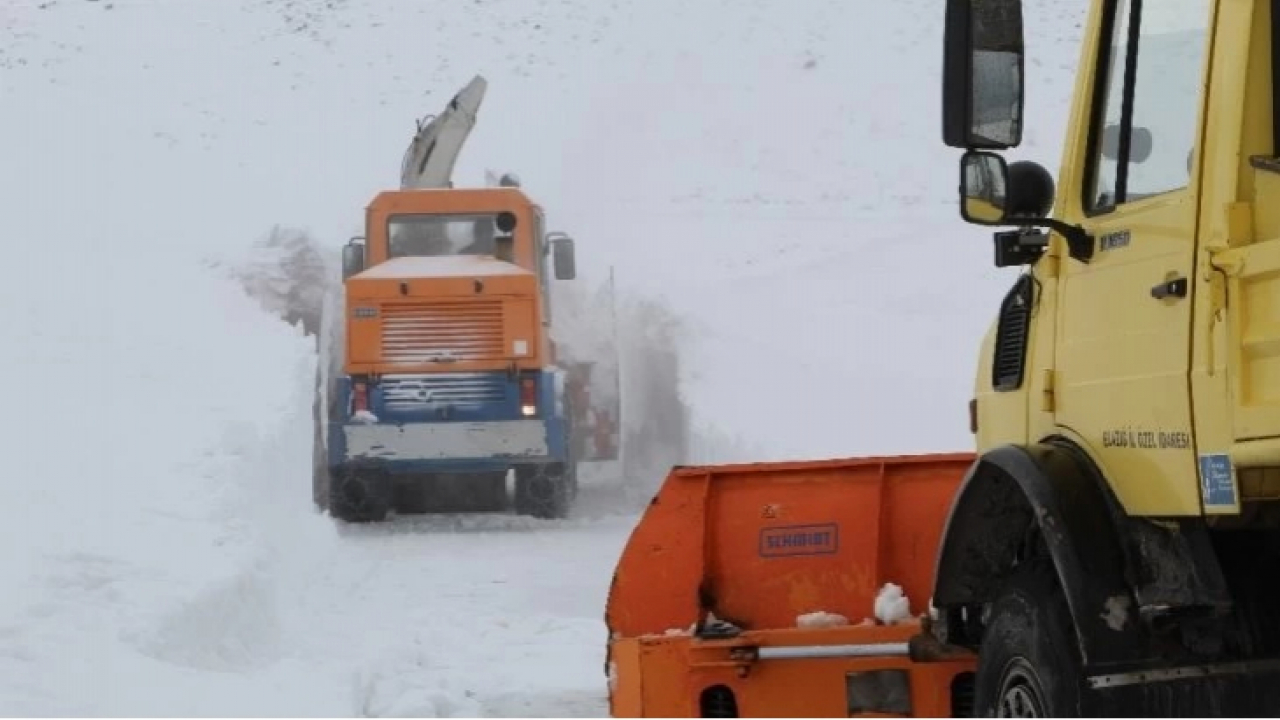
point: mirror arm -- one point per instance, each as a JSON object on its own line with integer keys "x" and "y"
{"x": 1025, "y": 245}
{"x": 1079, "y": 241}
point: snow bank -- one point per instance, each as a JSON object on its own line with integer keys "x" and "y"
{"x": 159, "y": 457}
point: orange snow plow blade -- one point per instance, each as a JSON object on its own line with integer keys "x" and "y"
{"x": 704, "y": 613}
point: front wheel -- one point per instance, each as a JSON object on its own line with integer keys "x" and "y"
{"x": 1028, "y": 665}
{"x": 543, "y": 491}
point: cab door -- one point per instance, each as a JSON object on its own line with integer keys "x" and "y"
{"x": 1122, "y": 383}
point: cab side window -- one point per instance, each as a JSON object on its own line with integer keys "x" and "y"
{"x": 1147, "y": 101}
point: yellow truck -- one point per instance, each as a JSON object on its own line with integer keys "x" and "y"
{"x": 1113, "y": 548}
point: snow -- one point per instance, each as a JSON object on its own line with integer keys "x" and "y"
{"x": 758, "y": 167}
{"x": 450, "y": 266}
{"x": 891, "y": 606}
{"x": 821, "y": 619}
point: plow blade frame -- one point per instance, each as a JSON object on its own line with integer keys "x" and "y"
{"x": 704, "y": 608}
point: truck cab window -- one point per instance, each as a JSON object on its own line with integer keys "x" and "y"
{"x": 1149, "y": 99}
{"x": 437, "y": 235}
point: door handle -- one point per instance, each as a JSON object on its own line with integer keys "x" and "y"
{"x": 1175, "y": 288}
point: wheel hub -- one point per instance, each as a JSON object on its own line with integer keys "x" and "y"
{"x": 1020, "y": 694}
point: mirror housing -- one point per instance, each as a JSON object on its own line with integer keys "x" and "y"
{"x": 993, "y": 192}
{"x": 984, "y": 188}
{"x": 562, "y": 255}
{"x": 353, "y": 257}
{"x": 982, "y": 74}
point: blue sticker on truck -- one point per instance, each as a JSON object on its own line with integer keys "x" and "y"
{"x": 793, "y": 540}
{"x": 1217, "y": 484}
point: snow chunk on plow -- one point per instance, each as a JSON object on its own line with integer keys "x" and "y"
{"x": 892, "y": 607}
{"x": 768, "y": 562}
{"x": 821, "y": 619}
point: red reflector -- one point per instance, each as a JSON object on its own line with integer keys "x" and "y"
{"x": 359, "y": 397}
{"x": 528, "y": 392}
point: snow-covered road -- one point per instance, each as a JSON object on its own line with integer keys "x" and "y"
{"x": 485, "y": 616}
{"x": 162, "y": 556}
{"x": 426, "y": 616}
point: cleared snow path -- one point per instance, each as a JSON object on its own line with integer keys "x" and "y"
{"x": 476, "y": 616}
{"x": 162, "y": 557}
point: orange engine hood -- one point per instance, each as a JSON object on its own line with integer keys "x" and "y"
{"x": 443, "y": 314}
{"x": 447, "y": 276}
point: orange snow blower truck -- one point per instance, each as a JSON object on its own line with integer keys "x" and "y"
{"x": 754, "y": 591}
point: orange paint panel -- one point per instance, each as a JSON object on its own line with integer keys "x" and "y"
{"x": 475, "y": 333}
{"x": 668, "y": 676}
{"x": 438, "y": 276}
{"x": 771, "y": 541}
{"x": 520, "y": 324}
{"x": 760, "y": 545}
{"x": 626, "y": 696}
{"x": 450, "y": 200}
{"x": 363, "y": 334}
{"x": 470, "y": 309}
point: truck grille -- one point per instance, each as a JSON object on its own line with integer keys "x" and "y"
{"x": 406, "y": 393}
{"x": 442, "y": 331}
{"x": 1012, "y": 333}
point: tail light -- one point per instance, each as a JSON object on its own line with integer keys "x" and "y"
{"x": 359, "y": 397}
{"x": 528, "y": 397}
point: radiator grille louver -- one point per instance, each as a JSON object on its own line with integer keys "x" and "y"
{"x": 1008, "y": 366}
{"x": 405, "y": 393}
{"x": 442, "y": 331}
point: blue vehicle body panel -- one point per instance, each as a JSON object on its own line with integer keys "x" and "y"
{"x": 449, "y": 422}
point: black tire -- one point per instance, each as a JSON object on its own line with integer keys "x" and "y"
{"x": 360, "y": 497}
{"x": 1028, "y": 665}
{"x": 543, "y": 491}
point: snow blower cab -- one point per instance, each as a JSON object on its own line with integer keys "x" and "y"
{"x": 448, "y": 380}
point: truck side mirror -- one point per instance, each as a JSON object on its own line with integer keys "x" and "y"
{"x": 353, "y": 257}
{"x": 992, "y": 192}
{"x": 984, "y": 188}
{"x": 562, "y": 257}
{"x": 982, "y": 74}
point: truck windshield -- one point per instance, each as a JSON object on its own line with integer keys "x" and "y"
{"x": 434, "y": 235}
